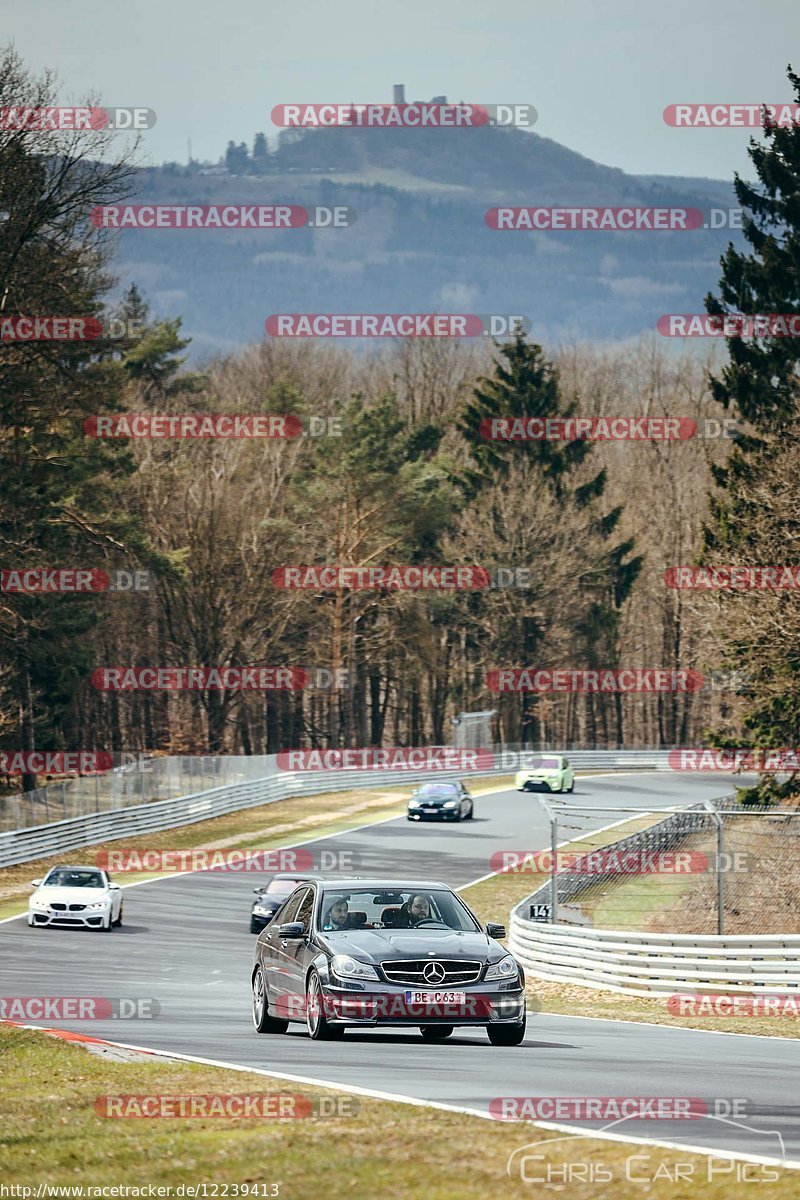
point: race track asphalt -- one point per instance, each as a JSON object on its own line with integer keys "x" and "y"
{"x": 186, "y": 943}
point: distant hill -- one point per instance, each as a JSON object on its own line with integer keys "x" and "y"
{"x": 420, "y": 242}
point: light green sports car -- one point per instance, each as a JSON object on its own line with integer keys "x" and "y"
{"x": 551, "y": 772}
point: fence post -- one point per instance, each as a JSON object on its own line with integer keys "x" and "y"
{"x": 553, "y": 859}
{"x": 719, "y": 869}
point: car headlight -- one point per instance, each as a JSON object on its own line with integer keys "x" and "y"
{"x": 350, "y": 968}
{"x": 413, "y": 804}
{"x": 504, "y": 969}
{"x": 450, "y": 803}
{"x": 97, "y": 905}
{"x": 260, "y": 911}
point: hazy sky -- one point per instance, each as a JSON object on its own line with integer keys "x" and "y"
{"x": 600, "y": 72}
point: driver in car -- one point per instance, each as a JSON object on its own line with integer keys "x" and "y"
{"x": 416, "y": 909}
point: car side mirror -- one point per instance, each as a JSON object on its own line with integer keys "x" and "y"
{"x": 292, "y": 931}
{"x": 113, "y": 887}
{"x": 258, "y": 891}
{"x": 495, "y": 931}
{"x": 36, "y": 883}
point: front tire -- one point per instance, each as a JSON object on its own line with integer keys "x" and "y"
{"x": 316, "y": 1022}
{"x": 262, "y": 1021}
{"x": 507, "y": 1035}
{"x": 436, "y": 1033}
{"x": 471, "y": 813}
{"x": 118, "y": 921}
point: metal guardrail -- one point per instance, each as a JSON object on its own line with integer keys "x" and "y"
{"x": 644, "y": 964}
{"x": 23, "y": 845}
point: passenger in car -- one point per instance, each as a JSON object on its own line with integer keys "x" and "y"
{"x": 337, "y": 916}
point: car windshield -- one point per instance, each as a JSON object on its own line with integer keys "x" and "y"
{"x": 397, "y": 910}
{"x": 435, "y": 790}
{"x": 538, "y": 760}
{"x": 281, "y": 887}
{"x": 74, "y": 879}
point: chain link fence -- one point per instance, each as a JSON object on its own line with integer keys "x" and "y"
{"x": 143, "y": 781}
{"x": 146, "y": 780}
{"x": 715, "y": 868}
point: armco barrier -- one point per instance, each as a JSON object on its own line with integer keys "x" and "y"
{"x": 647, "y": 964}
{"x": 22, "y": 845}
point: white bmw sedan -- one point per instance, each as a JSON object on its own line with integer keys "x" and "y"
{"x": 83, "y": 897}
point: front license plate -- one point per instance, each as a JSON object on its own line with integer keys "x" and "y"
{"x": 436, "y": 997}
{"x": 430, "y": 810}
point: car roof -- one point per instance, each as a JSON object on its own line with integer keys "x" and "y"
{"x": 300, "y": 876}
{"x": 381, "y": 885}
{"x": 73, "y": 867}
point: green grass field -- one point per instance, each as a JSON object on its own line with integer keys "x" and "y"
{"x": 51, "y": 1133}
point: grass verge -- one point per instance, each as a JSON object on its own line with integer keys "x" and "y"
{"x": 50, "y": 1133}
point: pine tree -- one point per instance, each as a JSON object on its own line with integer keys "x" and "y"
{"x": 260, "y": 154}
{"x": 749, "y": 523}
{"x": 525, "y": 384}
{"x": 61, "y": 493}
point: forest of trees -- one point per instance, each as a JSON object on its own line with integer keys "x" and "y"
{"x": 409, "y": 480}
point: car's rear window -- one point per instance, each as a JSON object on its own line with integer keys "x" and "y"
{"x": 281, "y": 887}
